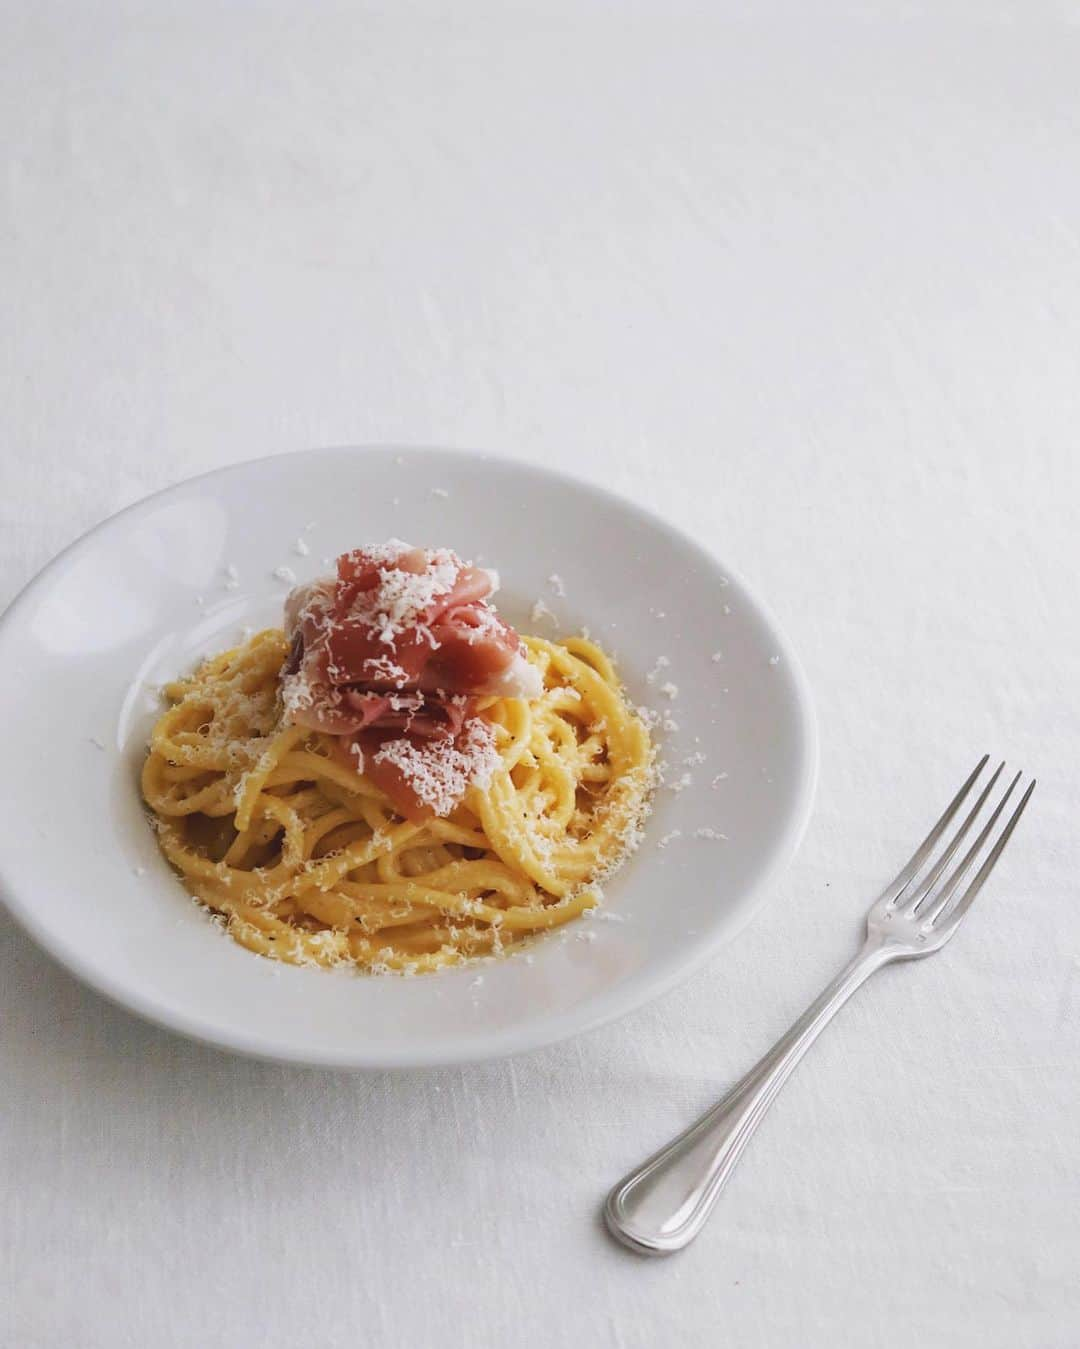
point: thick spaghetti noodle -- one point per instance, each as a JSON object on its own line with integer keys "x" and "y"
{"x": 307, "y": 861}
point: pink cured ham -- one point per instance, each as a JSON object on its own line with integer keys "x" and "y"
{"x": 399, "y": 639}
{"x": 422, "y": 776}
{"x": 419, "y": 621}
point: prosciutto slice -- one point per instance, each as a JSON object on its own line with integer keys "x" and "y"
{"x": 399, "y": 639}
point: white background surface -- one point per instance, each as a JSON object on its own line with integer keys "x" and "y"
{"x": 808, "y": 284}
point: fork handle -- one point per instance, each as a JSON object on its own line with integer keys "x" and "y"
{"x": 662, "y": 1205}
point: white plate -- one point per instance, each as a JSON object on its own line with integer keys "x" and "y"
{"x": 141, "y": 597}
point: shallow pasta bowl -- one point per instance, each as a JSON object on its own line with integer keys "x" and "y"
{"x": 178, "y": 576}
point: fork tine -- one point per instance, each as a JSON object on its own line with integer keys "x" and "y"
{"x": 928, "y": 882}
{"x": 903, "y": 878}
{"x": 942, "y": 901}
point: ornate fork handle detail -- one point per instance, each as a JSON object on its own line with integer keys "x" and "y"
{"x": 663, "y": 1204}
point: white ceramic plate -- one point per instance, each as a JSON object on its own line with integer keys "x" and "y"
{"x": 144, "y": 595}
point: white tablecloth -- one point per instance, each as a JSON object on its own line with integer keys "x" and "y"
{"x": 806, "y": 280}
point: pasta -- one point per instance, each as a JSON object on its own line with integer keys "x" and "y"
{"x": 306, "y": 860}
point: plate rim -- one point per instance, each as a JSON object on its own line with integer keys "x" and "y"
{"x": 534, "y": 1034}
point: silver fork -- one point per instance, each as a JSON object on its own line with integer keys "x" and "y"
{"x": 662, "y": 1205}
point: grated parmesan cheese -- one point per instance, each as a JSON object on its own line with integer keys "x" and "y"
{"x": 541, "y": 613}
{"x": 382, "y": 667}
{"x": 301, "y": 547}
{"x": 709, "y": 832}
{"x": 487, "y": 622}
{"x": 669, "y": 690}
{"x": 439, "y": 771}
{"x": 669, "y": 837}
{"x": 557, "y": 584}
{"x": 662, "y": 663}
{"x": 398, "y": 599}
{"x": 406, "y": 702}
{"x": 285, "y": 574}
